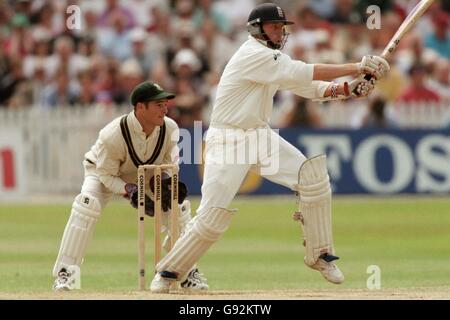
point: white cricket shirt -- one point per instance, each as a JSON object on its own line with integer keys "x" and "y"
{"x": 112, "y": 160}
{"x": 244, "y": 97}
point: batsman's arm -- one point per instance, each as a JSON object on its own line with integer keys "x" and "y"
{"x": 326, "y": 72}
{"x": 374, "y": 66}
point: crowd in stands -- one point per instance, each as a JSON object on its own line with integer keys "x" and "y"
{"x": 184, "y": 45}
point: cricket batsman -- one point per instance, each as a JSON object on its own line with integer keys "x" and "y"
{"x": 242, "y": 107}
{"x": 144, "y": 136}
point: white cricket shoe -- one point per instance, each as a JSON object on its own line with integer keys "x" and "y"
{"x": 161, "y": 284}
{"x": 329, "y": 271}
{"x": 64, "y": 281}
{"x": 195, "y": 281}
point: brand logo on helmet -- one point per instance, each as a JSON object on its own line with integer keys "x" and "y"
{"x": 158, "y": 87}
{"x": 280, "y": 12}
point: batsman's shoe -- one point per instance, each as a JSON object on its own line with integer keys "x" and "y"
{"x": 328, "y": 269}
{"x": 195, "y": 281}
{"x": 64, "y": 281}
{"x": 162, "y": 282}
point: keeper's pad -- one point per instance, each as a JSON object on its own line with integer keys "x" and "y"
{"x": 315, "y": 208}
{"x": 206, "y": 229}
{"x": 79, "y": 229}
{"x": 184, "y": 217}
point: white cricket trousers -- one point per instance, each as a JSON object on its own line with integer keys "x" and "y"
{"x": 231, "y": 153}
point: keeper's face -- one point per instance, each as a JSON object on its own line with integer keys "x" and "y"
{"x": 154, "y": 111}
{"x": 275, "y": 31}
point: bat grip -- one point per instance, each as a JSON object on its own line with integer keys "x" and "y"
{"x": 368, "y": 77}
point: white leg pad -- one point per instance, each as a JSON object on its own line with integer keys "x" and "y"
{"x": 315, "y": 208}
{"x": 184, "y": 218}
{"x": 206, "y": 229}
{"x": 79, "y": 229}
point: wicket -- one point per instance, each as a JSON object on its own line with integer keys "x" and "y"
{"x": 174, "y": 232}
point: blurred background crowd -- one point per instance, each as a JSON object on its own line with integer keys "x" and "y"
{"x": 184, "y": 45}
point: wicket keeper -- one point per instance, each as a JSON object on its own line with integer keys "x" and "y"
{"x": 143, "y": 136}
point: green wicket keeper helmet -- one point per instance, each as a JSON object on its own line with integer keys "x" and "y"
{"x": 267, "y": 12}
{"x": 149, "y": 91}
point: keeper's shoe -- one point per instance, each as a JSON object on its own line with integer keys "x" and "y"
{"x": 328, "y": 269}
{"x": 65, "y": 281}
{"x": 195, "y": 281}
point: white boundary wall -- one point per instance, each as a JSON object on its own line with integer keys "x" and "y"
{"x": 53, "y": 145}
{"x": 55, "y": 141}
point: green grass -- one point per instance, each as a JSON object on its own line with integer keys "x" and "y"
{"x": 408, "y": 238}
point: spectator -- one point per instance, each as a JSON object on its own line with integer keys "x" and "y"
{"x": 440, "y": 83}
{"x": 323, "y": 8}
{"x": 105, "y": 76}
{"x": 61, "y": 92}
{"x": 90, "y": 28}
{"x": 186, "y": 64}
{"x": 20, "y": 41}
{"x": 207, "y": 9}
{"x": 23, "y": 7}
{"x": 344, "y": 10}
{"x": 352, "y": 39}
{"x": 115, "y": 42}
{"x": 418, "y": 91}
{"x": 307, "y": 26}
{"x": 100, "y": 59}
{"x": 218, "y": 49}
{"x": 410, "y": 52}
{"x": 44, "y": 26}
{"x": 11, "y": 80}
{"x": 66, "y": 59}
{"x": 323, "y": 52}
{"x": 187, "y": 38}
{"x": 130, "y": 75}
{"x": 39, "y": 56}
{"x": 158, "y": 15}
{"x": 184, "y": 10}
{"x": 439, "y": 40}
{"x": 114, "y": 8}
{"x": 30, "y": 93}
{"x": 377, "y": 116}
{"x": 85, "y": 96}
{"x": 141, "y": 54}
{"x": 140, "y": 11}
{"x": 236, "y": 12}
{"x": 393, "y": 84}
{"x": 87, "y": 47}
{"x": 188, "y": 102}
{"x": 160, "y": 32}
{"x": 302, "y": 113}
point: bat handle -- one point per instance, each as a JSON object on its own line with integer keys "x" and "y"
{"x": 368, "y": 77}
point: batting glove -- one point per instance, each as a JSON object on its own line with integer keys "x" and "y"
{"x": 360, "y": 87}
{"x": 375, "y": 66}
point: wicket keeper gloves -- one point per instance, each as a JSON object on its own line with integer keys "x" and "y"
{"x": 131, "y": 190}
{"x": 374, "y": 65}
{"x": 166, "y": 182}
